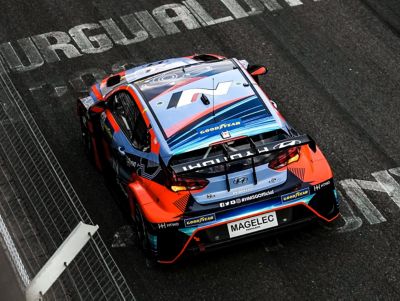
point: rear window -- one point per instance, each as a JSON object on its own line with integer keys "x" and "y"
{"x": 231, "y": 146}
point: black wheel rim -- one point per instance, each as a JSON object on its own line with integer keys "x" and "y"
{"x": 85, "y": 137}
{"x": 141, "y": 229}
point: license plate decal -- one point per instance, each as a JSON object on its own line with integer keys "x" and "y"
{"x": 252, "y": 224}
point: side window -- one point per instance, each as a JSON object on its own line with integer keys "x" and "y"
{"x": 130, "y": 120}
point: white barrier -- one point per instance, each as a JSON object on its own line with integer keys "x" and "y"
{"x": 60, "y": 260}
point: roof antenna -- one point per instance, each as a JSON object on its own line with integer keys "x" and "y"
{"x": 213, "y": 96}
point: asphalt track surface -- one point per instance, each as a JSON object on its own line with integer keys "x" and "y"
{"x": 334, "y": 72}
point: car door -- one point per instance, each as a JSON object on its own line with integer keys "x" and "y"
{"x": 130, "y": 145}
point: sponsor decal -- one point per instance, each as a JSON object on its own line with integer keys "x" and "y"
{"x": 252, "y": 224}
{"x": 186, "y": 97}
{"x": 216, "y": 128}
{"x": 87, "y": 102}
{"x": 286, "y": 144}
{"x": 212, "y": 162}
{"x": 272, "y": 180}
{"x": 252, "y": 197}
{"x": 237, "y": 155}
{"x": 210, "y": 196}
{"x": 240, "y": 180}
{"x": 190, "y": 222}
{"x": 226, "y": 135}
{"x": 162, "y": 226}
{"x": 322, "y": 185}
{"x": 295, "y": 195}
{"x": 241, "y": 191}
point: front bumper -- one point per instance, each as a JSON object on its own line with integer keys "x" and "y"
{"x": 314, "y": 202}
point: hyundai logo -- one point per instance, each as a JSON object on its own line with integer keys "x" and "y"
{"x": 240, "y": 180}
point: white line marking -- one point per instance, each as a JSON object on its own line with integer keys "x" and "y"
{"x": 101, "y": 43}
{"x": 143, "y": 24}
{"x": 182, "y": 14}
{"x": 271, "y": 4}
{"x": 49, "y": 49}
{"x": 237, "y": 11}
{"x": 351, "y": 221}
{"x": 294, "y": 2}
{"x": 360, "y": 199}
{"x": 389, "y": 185}
{"x": 135, "y": 28}
{"x": 395, "y": 171}
{"x": 30, "y": 51}
{"x": 202, "y": 15}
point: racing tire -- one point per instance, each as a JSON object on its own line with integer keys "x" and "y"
{"x": 142, "y": 239}
{"x": 86, "y": 139}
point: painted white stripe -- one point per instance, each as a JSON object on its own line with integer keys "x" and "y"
{"x": 271, "y": 4}
{"x": 182, "y": 15}
{"x": 385, "y": 183}
{"x": 135, "y": 28}
{"x": 49, "y": 49}
{"x": 351, "y": 221}
{"x": 294, "y": 2}
{"x": 237, "y": 11}
{"x": 46, "y": 47}
{"x": 360, "y": 199}
{"x": 13, "y": 252}
{"x": 202, "y": 15}
{"x": 395, "y": 171}
{"x": 90, "y": 44}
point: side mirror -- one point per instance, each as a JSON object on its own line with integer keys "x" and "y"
{"x": 256, "y": 70}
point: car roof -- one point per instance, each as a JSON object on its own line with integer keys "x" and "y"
{"x": 194, "y": 104}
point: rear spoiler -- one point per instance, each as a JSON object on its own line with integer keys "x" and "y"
{"x": 255, "y": 150}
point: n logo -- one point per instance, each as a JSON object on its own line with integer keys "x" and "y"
{"x": 286, "y": 144}
{"x": 186, "y": 97}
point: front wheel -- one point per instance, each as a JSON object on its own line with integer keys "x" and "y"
{"x": 86, "y": 138}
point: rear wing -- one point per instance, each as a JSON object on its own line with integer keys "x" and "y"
{"x": 255, "y": 150}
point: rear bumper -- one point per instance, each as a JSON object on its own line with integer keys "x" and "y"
{"x": 172, "y": 245}
{"x": 214, "y": 245}
{"x": 195, "y": 249}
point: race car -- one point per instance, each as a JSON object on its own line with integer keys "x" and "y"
{"x": 203, "y": 156}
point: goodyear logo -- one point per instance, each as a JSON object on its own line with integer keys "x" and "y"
{"x": 219, "y": 127}
{"x": 295, "y": 195}
{"x": 190, "y": 222}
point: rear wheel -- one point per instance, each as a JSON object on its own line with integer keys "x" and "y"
{"x": 142, "y": 238}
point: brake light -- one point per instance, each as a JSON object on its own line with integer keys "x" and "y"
{"x": 185, "y": 184}
{"x": 285, "y": 158}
